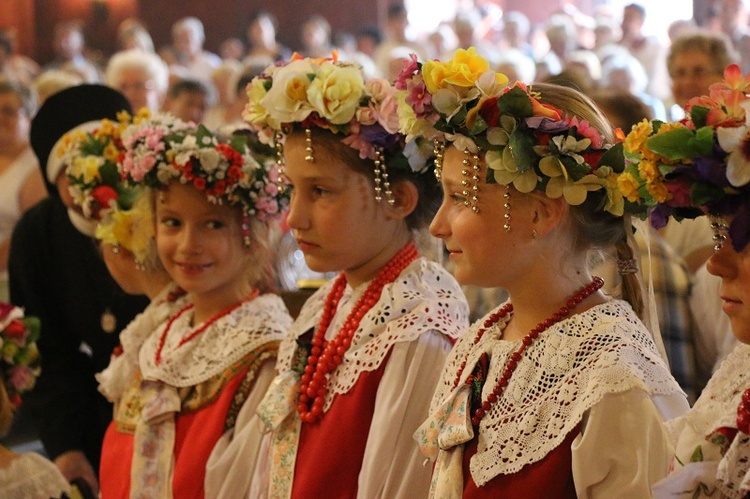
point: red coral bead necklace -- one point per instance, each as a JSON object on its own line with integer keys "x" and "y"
{"x": 326, "y": 356}
{"x": 203, "y": 327}
{"x": 515, "y": 357}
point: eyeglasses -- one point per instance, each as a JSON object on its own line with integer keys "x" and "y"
{"x": 696, "y": 72}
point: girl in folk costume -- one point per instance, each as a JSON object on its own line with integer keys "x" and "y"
{"x": 561, "y": 388}
{"x": 201, "y": 373}
{"x": 356, "y": 373}
{"x": 700, "y": 166}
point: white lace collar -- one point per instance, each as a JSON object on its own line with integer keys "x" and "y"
{"x": 603, "y": 350}
{"x": 122, "y": 368}
{"x": 31, "y": 475}
{"x": 425, "y": 297}
{"x": 224, "y": 343}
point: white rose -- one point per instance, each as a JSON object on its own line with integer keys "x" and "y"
{"x": 335, "y": 92}
{"x": 287, "y": 100}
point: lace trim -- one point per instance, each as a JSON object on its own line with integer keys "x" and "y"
{"x": 425, "y": 297}
{"x": 30, "y": 475}
{"x": 717, "y": 405}
{"x": 222, "y": 345}
{"x": 601, "y": 351}
{"x": 114, "y": 380}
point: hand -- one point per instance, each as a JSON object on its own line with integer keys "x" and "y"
{"x": 73, "y": 464}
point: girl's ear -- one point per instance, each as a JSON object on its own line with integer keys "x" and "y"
{"x": 548, "y": 213}
{"x": 405, "y": 196}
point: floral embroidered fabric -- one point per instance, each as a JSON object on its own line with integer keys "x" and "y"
{"x": 230, "y": 338}
{"x": 604, "y": 350}
{"x": 423, "y": 298}
{"x": 710, "y": 452}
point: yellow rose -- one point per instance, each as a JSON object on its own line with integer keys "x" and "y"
{"x": 466, "y": 68}
{"x": 254, "y": 112}
{"x": 434, "y": 74}
{"x": 628, "y": 185}
{"x": 335, "y": 92}
{"x": 286, "y": 101}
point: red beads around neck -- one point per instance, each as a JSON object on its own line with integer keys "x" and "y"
{"x": 515, "y": 357}
{"x": 326, "y": 356}
{"x": 206, "y": 325}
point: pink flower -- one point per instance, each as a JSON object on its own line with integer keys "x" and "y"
{"x": 367, "y": 115}
{"x": 585, "y": 129}
{"x": 365, "y": 148}
{"x": 680, "y": 194}
{"x": 379, "y": 89}
{"x": 5, "y": 309}
{"x": 410, "y": 68}
{"x": 418, "y": 97}
{"x": 388, "y": 114}
{"x": 271, "y": 189}
{"x": 267, "y": 205}
{"x": 21, "y": 378}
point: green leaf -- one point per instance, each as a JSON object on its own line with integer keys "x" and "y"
{"x": 515, "y": 102}
{"x": 202, "y": 133}
{"x": 697, "y": 455}
{"x": 682, "y": 143}
{"x": 614, "y": 158}
{"x": 34, "y": 325}
{"x": 126, "y": 197}
{"x": 698, "y": 115}
{"x": 701, "y": 193}
{"x": 238, "y": 142}
{"x": 479, "y": 126}
{"x": 522, "y": 148}
{"x": 109, "y": 174}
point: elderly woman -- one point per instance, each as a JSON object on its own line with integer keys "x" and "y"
{"x": 141, "y": 76}
{"x": 21, "y": 183}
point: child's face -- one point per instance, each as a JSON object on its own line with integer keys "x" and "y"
{"x": 189, "y": 106}
{"x": 333, "y": 213}
{"x": 734, "y": 270}
{"x": 200, "y": 245}
{"x": 483, "y": 253}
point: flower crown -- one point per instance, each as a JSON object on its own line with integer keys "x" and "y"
{"x": 19, "y": 354}
{"x": 528, "y": 144}
{"x": 97, "y": 187}
{"x": 238, "y": 171}
{"x": 333, "y": 95}
{"x": 697, "y": 166}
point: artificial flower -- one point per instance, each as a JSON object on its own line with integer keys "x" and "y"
{"x": 19, "y": 356}
{"x": 736, "y": 141}
{"x": 287, "y": 99}
{"x": 335, "y": 92}
{"x": 505, "y": 171}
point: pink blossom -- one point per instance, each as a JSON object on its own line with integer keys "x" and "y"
{"x": 367, "y": 115}
{"x": 418, "y": 97}
{"x": 379, "y": 88}
{"x": 388, "y": 115}
{"x": 271, "y": 189}
{"x": 365, "y": 148}
{"x": 410, "y": 68}
{"x": 21, "y": 378}
{"x": 586, "y": 130}
{"x": 267, "y": 205}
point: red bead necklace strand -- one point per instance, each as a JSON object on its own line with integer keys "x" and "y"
{"x": 515, "y": 357}
{"x": 326, "y": 356}
{"x": 206, "y": 325}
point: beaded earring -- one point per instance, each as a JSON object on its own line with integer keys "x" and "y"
{"x": 471, "y": 180}
{"x": 720, "y": 228}
{"x": 245, "y": 227}
{"x": 308, "y": 146}
{"x": 278, "y": 143}
{"x": 381, "y": 179}
{"x": 439, "y": 151}
{"x": 506, "y": 196}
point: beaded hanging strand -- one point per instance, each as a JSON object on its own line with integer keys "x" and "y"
{"x": 308, "y": 146}
{"x": 326, "y": 356}
{"x": 515, "y": 357}
{"x": 279, "y": 145}
{"x": 439, "y": 151}
{"x": 506, "y": 206}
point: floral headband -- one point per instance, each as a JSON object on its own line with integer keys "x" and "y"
{"x": 528, "y": 144}
{"x": 700, "y": 165}
{"x": 92, "y": 154}
{"x": 19, "y": 354}
{"x": 238, "y": 171}
{"x": 334, "y": 96}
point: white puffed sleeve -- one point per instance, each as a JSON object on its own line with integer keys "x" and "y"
{"x": 393, "y": 466}
{"x": 623, "y": 447}
{"x": 230, "y": 466}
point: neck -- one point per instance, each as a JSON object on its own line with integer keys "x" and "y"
{"x": 6, "y": 457}
{"x": 369, "y": 269}
{"x": 534, "y": 304}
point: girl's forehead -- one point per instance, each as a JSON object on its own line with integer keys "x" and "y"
{"x": 186, "y": 199}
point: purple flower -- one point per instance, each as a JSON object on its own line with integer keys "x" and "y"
{"x": 660, "y": 215}
{"x": 544, "y": 124}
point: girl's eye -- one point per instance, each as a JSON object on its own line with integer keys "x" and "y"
{"x": 170, "y": 222}
{"x": 458, "y": 198}
{"x": 319, "y": 191}
{"x": 215, "y": 224}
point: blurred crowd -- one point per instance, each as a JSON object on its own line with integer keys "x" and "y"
{"x": 631, "y": 75}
